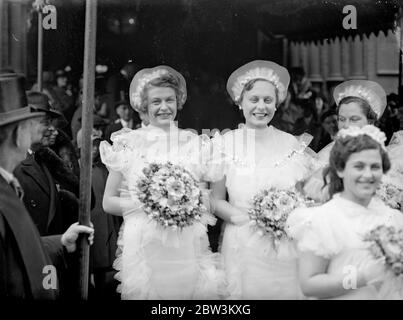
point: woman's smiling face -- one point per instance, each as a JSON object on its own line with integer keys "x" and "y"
{"x": 362, "y": 175}
{"x": 351, "y": 115}
{"x": 259, "y": 104}
{"x": 162, "y": 106}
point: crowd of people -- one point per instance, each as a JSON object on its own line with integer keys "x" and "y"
{"x": 291, "y": 137}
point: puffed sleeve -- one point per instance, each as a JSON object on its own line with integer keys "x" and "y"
{"x": 309, "y": 157}
{"x": 117, "y": 156}
{"x": 395, "y": 152}
{"x": 324, "y": 154}
{"x": 301, "y": 158}
{"x": 213, "y": 152}
{"x": 312, "y": 231}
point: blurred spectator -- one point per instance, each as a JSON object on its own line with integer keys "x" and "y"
{"x": 76, "y": 120}
{"x": 103, "y": 251}
{"x": 75, "y": 123}
{"x": 328, "y": 130}
{"x": 101, "y": 100}
{"x": 389, "y": 122}
{"x": 308, "y": 122}
{"x": 321, "y": 104}
{"x": 65, "y": 149}
{"x": 48, "y": 80}
{"x": 118, "y": 84}
{"x": 63, "y": 96}
{"x": 98, "y": 130}
{"x": 300, "y": 86}
{"x": 127, "y": 118}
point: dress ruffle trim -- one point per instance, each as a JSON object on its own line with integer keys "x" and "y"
{"x": 313, "y": 232}
{"x": 224, "y": 156}
{"x": 135, "y": 274}
{"x": 261, "y": 246}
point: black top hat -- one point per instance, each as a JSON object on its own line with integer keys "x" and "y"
{"x": 13, "y": 101}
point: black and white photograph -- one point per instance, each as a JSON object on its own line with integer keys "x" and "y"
{"x": 206, "y": 152}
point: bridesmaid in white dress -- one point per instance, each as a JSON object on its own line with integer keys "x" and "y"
{"x": 395, "y": 152}
{"x": 335, "y": 262}
{"x": 155, "y": 262}
{"x": 359, "y": 102}
{"x": 252, "y": 158}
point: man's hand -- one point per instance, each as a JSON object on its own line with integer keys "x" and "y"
{"x": 69, "y": 238}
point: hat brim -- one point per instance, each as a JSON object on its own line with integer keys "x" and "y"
{"x": 54, "y": 114}
{"x": 19, "y": 115}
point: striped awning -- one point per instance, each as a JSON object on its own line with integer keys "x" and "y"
{"x": 307, "y": 20}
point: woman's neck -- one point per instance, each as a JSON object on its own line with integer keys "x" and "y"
{"x": 361, "y": 201}
{"x": 260, "y": 132}
{"x": 166, "y": 128}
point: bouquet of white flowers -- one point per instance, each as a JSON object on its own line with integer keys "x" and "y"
{"x": 270, "y": 211}
{"x": 170, "y": 195}
{"x": 387, "y": 242}
{"x": 391, "y": 194}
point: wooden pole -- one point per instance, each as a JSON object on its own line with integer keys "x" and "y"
{"x": 86, "y": 157}
{"x": 40, "y": 50}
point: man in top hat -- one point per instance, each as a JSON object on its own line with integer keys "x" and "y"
{"x": 24, "y": 255}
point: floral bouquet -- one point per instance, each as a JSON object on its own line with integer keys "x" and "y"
{"x": 387, "y": 242}
{"x": 270, "y": 211}
{"x": 391, "y": 194}
{"x": 170, "y": 195}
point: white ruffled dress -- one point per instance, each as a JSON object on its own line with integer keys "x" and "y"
{"x": 395, "y": 152}
{"x": 335, "y": 231}
{"x": 154, "y": 262}
{"x": 254, "y": 269}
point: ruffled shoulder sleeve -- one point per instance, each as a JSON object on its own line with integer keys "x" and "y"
{"x": 323, "y": 155}
{"x": 298, "y": 153}
{"x": 196, "y": 152}
{"x": 214, "y": 153}
{"x": 395, "y": 152}
{"x": 117, "y": 157}
{"x": 313, "y": 231}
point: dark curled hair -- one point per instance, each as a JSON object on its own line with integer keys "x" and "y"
{"x": 364, "y": 105}
{"x": 341, "y": 152}
{"x": 249, "y": 86}
{"x": 164, "y": 81}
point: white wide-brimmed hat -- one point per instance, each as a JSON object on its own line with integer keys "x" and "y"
{"x": 144, "y": 76}
{"x": 369, "y": 91}
{"x": 259, "y": 69}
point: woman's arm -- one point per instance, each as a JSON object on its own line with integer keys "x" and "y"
{"x": 223, "y": 209}
{"x": 315, "y": 282}
{"x": 112, "y": 202}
